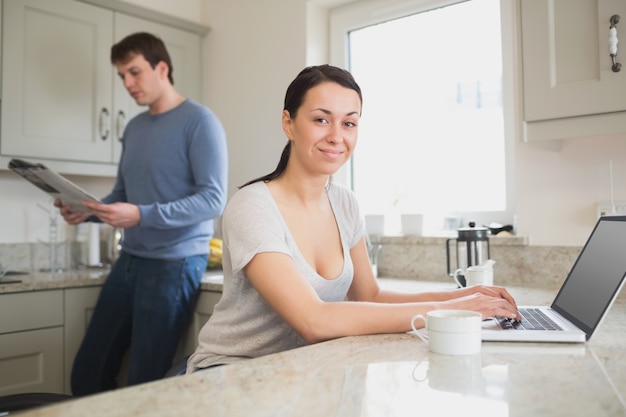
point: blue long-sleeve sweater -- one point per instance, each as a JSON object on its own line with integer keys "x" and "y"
{"x": 174, "y": 167}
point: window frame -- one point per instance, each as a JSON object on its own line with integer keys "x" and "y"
{"x": 361, "y": 14}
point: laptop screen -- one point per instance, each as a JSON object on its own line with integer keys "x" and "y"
{"x": 596, "y": 277}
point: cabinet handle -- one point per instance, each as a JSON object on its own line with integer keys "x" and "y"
{"x": 616, "y": 67}
{"x": 104, "y": 123}
{"x": 120, "y": 125}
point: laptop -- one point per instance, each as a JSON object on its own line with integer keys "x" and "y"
{"x": 585, "y": 297}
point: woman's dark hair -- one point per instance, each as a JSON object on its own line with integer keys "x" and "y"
{"x": 142, "y": 43}
{"x": 307, "y": 79}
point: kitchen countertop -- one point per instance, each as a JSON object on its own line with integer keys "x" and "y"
{"x": 393, "y": 375}
{"x": 40, "y": 281}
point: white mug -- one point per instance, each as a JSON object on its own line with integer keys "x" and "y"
{"x": 475, "y": 275}
{"x": 451, "y": 332}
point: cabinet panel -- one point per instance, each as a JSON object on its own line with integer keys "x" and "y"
{"x": 79, "y": 306}
{"x": 202, "y": 313}
{"x": 31, "y": 310}
{"x": 566, "y": 63}
{"x": 31, "y": 361}
{"x": 62, "y": 101}
{"x": 41, "y": 359}
{"x": 57, "y": 80}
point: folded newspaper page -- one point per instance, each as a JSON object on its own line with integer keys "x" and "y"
{"x": 52, "y": 183}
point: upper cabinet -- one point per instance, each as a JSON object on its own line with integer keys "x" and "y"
{"x": 62, "y": 101}
{"x": 57, "y": 81}
{"x": 570, "y": 89}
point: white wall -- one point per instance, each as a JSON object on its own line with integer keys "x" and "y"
{"x": 255, "y": 48}
{"x": 25, "y": 212}
{"x": 557, "y": 191}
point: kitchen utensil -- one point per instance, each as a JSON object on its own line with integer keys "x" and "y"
{"x": 471, "y": 247}
{"x": 476, "y": 275}
{"x": 114, "y": 244}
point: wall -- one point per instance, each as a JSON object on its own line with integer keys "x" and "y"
{"x": 25, "y": 212}
{"x": 248, "y": 71}
{"x": 254, "y": 49}
{"x": 557, "y": 191}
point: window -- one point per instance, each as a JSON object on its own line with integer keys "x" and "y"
{"x": 432, "y": 139}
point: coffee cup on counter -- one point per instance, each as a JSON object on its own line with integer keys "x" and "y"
{"x": 450, "y": 332}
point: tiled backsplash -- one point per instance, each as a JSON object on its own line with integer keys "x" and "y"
{"x": 38, "y": 256}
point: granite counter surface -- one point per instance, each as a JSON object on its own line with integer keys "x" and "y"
{"x": 41, "y": 281}
{"x": 393, "y": 375}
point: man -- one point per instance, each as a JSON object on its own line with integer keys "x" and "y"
{"x": 171, "y": 184}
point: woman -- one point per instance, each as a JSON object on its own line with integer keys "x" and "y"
{"x": 296, "y": 266}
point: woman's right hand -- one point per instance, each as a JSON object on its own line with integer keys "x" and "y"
{"x": 486, "y": 304}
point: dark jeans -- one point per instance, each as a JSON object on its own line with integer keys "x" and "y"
{"x": 145, "y": 307}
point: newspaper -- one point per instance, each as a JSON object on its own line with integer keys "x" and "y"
{"x": 52, "y": 183}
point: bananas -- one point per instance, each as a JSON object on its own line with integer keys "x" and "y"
{"x": 215, "y": 253}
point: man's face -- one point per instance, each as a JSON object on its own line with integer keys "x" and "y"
{"x": 143, "y": 82}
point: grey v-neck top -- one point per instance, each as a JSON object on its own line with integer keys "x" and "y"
{"x": 243, "y": 325}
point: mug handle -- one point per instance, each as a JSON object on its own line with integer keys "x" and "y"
{"x": 415, "y": 378}
{"x": 456, "y": 273}
{"x": 417, "y": 332}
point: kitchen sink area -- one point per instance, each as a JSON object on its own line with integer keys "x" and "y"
{"x": 10, "y": 276}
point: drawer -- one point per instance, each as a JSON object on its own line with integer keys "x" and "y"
{"x": 31, "y": 361}
{"x": 30, "y": 310}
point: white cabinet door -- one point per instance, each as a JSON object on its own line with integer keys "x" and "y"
{"x": 62, "y": 99}
{"x": 31, "y": 342}
{"x": 57, "y": 80}
{"x": 570, "y": 88}
{"x": 203, "y": 311}
{"x": 32, "y": 361}
{"x": 185, "y": 51}
{"x": 567, "y": 67}
{"x": 79, "y": 306}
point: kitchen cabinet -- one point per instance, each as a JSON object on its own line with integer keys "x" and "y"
{"x": 203, "y": 311}
{"x": 62, "y": 100}
{"x": 79, "y": 306}
{"x": 43, "y": 330}
{"x": 31, "y": 342}
{"x": 570, "y": 89}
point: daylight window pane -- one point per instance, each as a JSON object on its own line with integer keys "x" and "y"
{"x": 431, "y": 139}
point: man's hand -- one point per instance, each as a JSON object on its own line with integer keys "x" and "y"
{"x": 121, "y": 215}
{"x": 70, "y": 216}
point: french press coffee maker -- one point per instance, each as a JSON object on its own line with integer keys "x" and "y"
{"x": 471, "y": 247}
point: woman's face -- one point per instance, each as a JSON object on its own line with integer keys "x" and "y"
{"x": 324, "y": 132}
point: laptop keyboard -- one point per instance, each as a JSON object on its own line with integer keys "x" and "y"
{"x": 532, "y": 319}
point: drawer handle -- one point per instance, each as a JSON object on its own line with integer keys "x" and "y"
{"x": 104, "y": 123}
{"x": 616, "y": 67}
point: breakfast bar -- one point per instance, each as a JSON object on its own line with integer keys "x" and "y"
{"x": 393, "y": 375}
